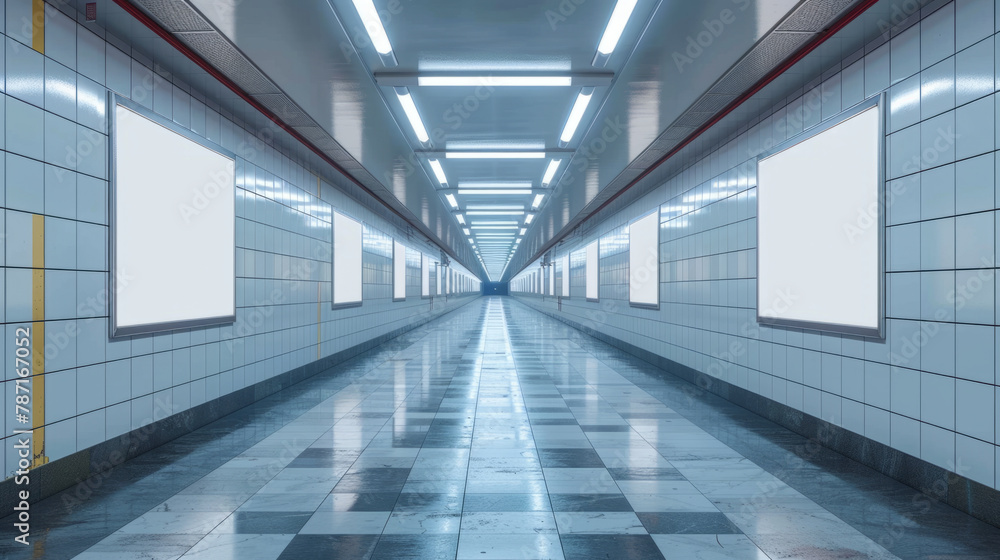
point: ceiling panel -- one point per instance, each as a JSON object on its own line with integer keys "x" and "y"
{"x": 670, "y": 56}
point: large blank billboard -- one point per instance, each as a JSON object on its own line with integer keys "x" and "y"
{"x": 593, "y": 266}
{"x": 347, "y": 249}
{"x": 173, "y": 226}
{"x": 820, "y": 227}
{"x": 398, "y": 271}
{"x": 644, "y": 261}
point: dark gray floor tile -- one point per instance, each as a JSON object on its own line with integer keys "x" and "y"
{"x": 590, "y": 502}
{"x": 355, "y": 547}
{"x": 570, "y": 458}
{"x": 610, "y": 547}
{"x": 693, "y": 523}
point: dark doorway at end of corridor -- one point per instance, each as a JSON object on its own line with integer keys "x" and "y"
{"x": 494, "y": 288}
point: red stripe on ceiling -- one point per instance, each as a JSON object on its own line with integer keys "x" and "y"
{"x": 821, "y": 38}
{"x": 222, "y": 78}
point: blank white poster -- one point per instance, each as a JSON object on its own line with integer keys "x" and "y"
{"x": 425, "y": 276}
{"x": 593, "y": 266}
{"x": 819, "y": 233}
{"x": 173, "y": 225}
{"x": 565, "y": 277}
{"x": 398, "y": 271}
{"x": 644, "y": 261}
{"x": 347, "y": 250}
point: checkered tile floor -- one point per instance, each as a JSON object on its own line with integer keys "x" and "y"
{"x": 493, "y": 434}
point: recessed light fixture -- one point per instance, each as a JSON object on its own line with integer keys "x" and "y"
{"x": 538, "y": 200}
{"x": 493, "y": 192}
{"x": 494, "y": 185}
{"x": 438, "y": 171}
{"x": 451, "y": 200}
{"x": 460, "y": 218}
{"x": 373, "y": 25}
{"x": 496, "y": 213}
{"x": 550, "y": 172}
{"x": 494, "y": 207}
{"x": 413, "y": 115}
{"x": 616, "y": 26}
{"x": 466, "y": 231}
{"x": 495, "y": 155}
{"x": 493, "y": 227}
{"x": 491, "y": 223}
{"x": 523, "y": 230}
{"x": 529, "y": 218}
{"x": 495, "y": 81}
{"x": 575, "y": 116}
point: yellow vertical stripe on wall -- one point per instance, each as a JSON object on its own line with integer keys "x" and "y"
{"x": 38, "y": 340}
{"x": 319, "y": 294}
{"x": 38, "y": 25}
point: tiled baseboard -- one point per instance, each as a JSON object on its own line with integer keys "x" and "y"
{"x": 68, "y": 471}
{"x": 965, "y": 495}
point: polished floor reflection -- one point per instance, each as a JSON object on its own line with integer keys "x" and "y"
{"x": 498, "y": 433}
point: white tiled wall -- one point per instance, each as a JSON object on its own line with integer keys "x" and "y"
{"x": 54, "y": 164}
{"x": 932, "y": 387}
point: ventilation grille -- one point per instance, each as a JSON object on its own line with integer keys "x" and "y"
{"x": 176, "y": 17}
{"x": 815, "y": 16}
{"x": 693, "y": 120}
{"x": 285, "y": 109}
{"x": 231, "y": 62}
{"x": 647, "y": 158}
{"x": 767, "y": 55}
{"x": 712, "y": 103}
{"x": 317, "y": 136}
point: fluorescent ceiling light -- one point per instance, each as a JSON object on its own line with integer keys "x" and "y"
{"x": 575, "y": 116}
{"x": 460, "y": 218}
{"x": 497, "y": 213}
{"x": 492, "y": 223}
{"x": 538, "y": 201}
{"x": 373, "y": 25}
{"x": 495, "y": 81}
{"x": 493, "y": 227}
{"x": 466, "y": 231}
{"x": 616, "y": 25}
{"x": 523, "y": 231}
{"x": 411, "y": 113}
{"x": 438, "y": 171}
{"x": 529, "y": 218}
{"x": 495, "y": 155}
{"x": 494, "y": 192}
{"x": 451, "y": 200}
{"x": 494, "y": 185}
{"x": 494, "y": 207}
{"x": 550, "y": 171}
